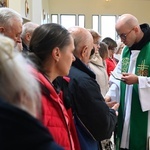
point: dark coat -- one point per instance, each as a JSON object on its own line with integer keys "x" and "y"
{"x": 20, "y": 131}
{"x": 89, "y": 105}
{"x": 25, "y": 48}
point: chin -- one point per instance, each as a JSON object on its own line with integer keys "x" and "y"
{"x": 129, "y": 45}
{"x": 65, "y": 73}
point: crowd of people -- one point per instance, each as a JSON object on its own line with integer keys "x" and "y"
{"x": 57, "y": 90}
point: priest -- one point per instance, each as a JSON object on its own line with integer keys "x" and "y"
{"x": 133, "y": 90}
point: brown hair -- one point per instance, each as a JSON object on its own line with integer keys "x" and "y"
{"x": 94, "y": 34}
{"x": 110, "y": 42}
{"x": 103, "y": 50}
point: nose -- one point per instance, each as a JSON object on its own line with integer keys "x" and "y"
{"x": 19, "y": 40}
{"x": 122, "y": 40}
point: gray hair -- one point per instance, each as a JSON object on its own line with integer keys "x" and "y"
{"x": 28, "y": 27}
{"x": 17, "y": 84}
{"x": 7, "y": 15}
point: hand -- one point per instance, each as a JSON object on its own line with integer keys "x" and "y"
{"x": 115, "y": 107}
{"x": 111, "y": 104}
{"x": 107, "y": 99}
{"x": 129, "y": 78}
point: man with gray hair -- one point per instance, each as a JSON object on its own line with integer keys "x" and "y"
{"x": 27, "y": 31}
{"x": 11, "y": 24}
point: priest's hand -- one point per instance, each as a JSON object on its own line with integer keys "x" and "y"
{"x": 130, "y": 78}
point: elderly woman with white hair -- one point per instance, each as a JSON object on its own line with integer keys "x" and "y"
{"x": 20, "y": 104}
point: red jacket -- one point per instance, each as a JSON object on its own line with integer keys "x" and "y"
{"x": 110, "y": 65}
{"x": 56, "y": 118}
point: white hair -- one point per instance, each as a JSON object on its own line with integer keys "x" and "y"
{"x": 17, "y": 84}
{"x": 7, "y": 15}
{"x": 28, "y": 27}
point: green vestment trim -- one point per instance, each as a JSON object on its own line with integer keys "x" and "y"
{"x": 138, "y": 118}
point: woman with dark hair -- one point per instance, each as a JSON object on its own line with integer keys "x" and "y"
{"x": 53, "y": 46}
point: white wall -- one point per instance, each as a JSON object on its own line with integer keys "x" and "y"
{"x": 139, "y": 8}
{"x": 35, "y": 9}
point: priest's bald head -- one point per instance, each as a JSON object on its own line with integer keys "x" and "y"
{"x": 128, "y": 29}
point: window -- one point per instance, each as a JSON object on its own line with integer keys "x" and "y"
{"x": 95, "y": 23}
{"x": 105, "y": 25}
{"x": 108, "y": 27}
{"x": 54, "y": 18}
{"x": 68, "y": 20}
{"x": 81, "y": 21}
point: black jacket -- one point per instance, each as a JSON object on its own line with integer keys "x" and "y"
{"x": 20, "y": 131}
{"x": 89, "y": 105}
{"x": 146, "y": 38}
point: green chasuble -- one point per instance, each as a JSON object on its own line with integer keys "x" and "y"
{"x": 138, "y": 119}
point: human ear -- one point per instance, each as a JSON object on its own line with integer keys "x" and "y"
{"x": 83, "y": 51}
{"x": 136, "y": 29}
{"x": 2, "y": 30}
{"x": 28, "y": 36}
{"x": 56, "y": 54}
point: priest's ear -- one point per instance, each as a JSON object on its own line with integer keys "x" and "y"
{"x": 136, "y": 29}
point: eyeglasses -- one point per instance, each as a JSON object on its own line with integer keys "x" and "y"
{"x": 124, "y": 36}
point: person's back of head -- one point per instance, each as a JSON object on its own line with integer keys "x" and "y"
{"x": 18, "y": 85}
{"x": 27, "y": 31}
{"x": 96, "y": 36}
{"x": 10, "y": 24}
{"x": 103, "y": 50}
{"x": 83, "y": 41}
{"x": 50, "y": 43}
{"x": 110, "y": 42}
{"x": 96, "y": 39}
